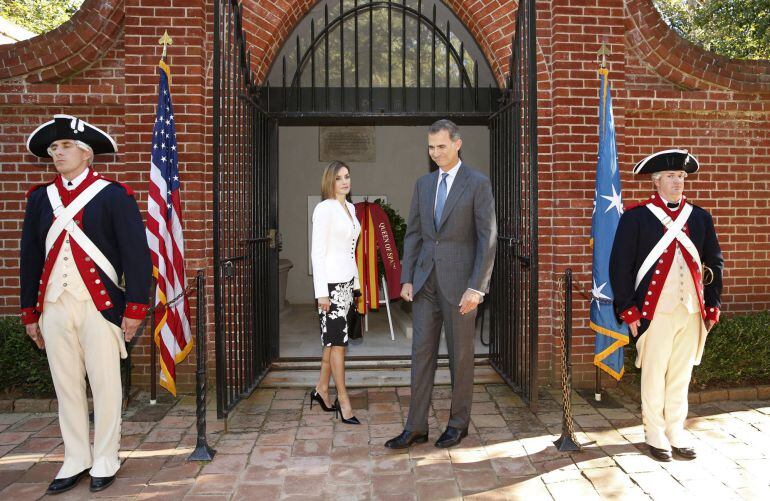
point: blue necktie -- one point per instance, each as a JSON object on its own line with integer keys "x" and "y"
{"x": 440, "y": 200}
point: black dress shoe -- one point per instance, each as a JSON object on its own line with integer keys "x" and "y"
{"x": 451, "y": 437}
{"x": 60, "y": 485}
{"x": 406, "y": 439}
{"x": 660, "y": 454}
{"x": 685, "y": 452}
{"x": 101, "y": 483}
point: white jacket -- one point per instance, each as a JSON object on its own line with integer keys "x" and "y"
{"x": 333, "y": 251}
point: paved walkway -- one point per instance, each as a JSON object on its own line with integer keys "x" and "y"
{"x": 276, "y": 448}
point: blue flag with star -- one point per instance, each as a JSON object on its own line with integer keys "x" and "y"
{"x": 611, "y": 335}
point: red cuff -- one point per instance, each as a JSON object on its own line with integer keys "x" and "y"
{"x": 136, "y": 311}
{"x": 631, "y": 315}
{"x": 29, "y": 316}
{"x": 712, "y": 313}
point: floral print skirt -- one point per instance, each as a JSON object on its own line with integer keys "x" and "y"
{"x": 334, "y": 323}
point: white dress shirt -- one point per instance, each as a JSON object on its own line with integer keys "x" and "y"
{"x": 449, "y": 180}
{"x": 75, "y": 182}
{"x": 333, "y": 251}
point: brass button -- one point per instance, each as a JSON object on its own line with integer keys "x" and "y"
{"x": 103, "y": 292}
{"x": 107, "y": 303}
{"x": 97, "y": 281}
{"x": 88, "y": 259}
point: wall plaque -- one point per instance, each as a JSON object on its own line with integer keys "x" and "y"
{"x": 347, "y": 144}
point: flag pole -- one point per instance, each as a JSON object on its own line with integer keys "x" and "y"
{"x": 598, "y": 386}
{"x": 164, "y": 42}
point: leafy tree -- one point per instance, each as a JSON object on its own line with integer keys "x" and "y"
{"x": 734, "y": 28}
{"x": 39, "y": 16}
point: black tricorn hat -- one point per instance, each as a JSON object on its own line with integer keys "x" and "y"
{"x": 69, "y": 127}
{"x": 667, "y": 160}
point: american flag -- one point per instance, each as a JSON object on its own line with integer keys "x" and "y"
{"x": 164, "y": 234}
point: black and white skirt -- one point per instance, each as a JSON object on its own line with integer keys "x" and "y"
{"x": 334, "y": 323}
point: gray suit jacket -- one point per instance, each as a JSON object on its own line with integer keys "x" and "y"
{"x": 463, "y": 248}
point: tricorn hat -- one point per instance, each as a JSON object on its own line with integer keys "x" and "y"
{"x": 69, "y": 127}
{"x": 667, "y": 160}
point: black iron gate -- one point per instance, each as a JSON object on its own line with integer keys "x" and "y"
{"x": 245, "y": 217}
{"x": 378, "y": 60}
{"x": 513, "y": 138}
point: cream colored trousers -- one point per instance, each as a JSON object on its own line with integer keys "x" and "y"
{"x": 666, "y": 355}
{"x": 80, "y": 341}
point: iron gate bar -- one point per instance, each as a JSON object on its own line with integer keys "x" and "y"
{"x": 513, "y": 137}
{"x": 403, "y": 57}
{"x": 292, "y": 93}
{"x": 243, "y": 172}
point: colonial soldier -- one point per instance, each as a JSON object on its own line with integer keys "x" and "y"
{"x": 666, "y": 272}
{"x": 85, "y": 276}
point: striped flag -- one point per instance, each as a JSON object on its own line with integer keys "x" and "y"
{"x": 164, "y": 234}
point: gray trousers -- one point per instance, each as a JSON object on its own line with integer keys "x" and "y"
{"x": 429, "y": 311}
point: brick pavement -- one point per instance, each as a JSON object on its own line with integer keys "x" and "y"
{"x": 277, "y": 448}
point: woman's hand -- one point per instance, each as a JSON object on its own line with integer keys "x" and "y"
{"x": 324, "y": 304}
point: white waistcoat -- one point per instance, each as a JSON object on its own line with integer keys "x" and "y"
{"x": 678, "y": 288}
{"x": 65, "y": 277}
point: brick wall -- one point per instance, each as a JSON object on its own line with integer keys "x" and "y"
{"x": 666, "y": 93}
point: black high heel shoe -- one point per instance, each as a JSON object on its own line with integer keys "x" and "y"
{"x": 338, "y": 412}
{"x": 314, "y": 395}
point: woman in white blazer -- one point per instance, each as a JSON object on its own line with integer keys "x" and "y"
{"x": 335, "y": 277}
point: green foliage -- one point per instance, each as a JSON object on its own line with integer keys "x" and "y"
{"x": 23, "y": 368}
{"x": 39, "y": 16}
{"x": 737, "y": 353}
{"x": 734, "y": 28}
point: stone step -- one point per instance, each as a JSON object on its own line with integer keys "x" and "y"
{"x": 372, "y": 377}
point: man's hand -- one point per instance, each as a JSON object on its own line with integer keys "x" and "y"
{"x": 469, "y": 301}
{"x": 634, "y": 326}
{"x": 324, "y": 304}
{"x": 406, "y": 292}
{"x": 33, "y": 331}
{"x": 129, "y": 327}
{"x": 709, "y": 325}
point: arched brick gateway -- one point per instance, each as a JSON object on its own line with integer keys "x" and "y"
{"x": 667, "y": 92}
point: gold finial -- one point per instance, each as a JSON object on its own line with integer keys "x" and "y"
{"x": 602, "y": 53}
{"x": 165, "y": 41}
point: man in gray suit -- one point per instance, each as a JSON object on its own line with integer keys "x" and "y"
{"x": 449, "y": 251}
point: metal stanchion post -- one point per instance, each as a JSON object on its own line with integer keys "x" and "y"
{"x": 567, "y": 441}
{"x": 202, "y": 450}
{"x": 153, "y": 365}
{"x": 598, "y": 386}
